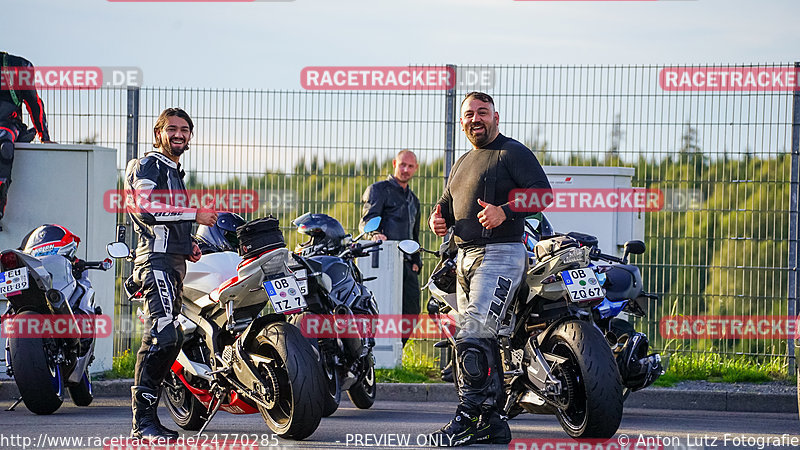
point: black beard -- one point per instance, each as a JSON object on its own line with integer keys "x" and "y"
{"x": 478, "y": 141}
{"x": 177, "y": 152}
{"x": 165, "y": 144}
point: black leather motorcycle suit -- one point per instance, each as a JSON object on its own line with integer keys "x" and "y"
{"x": 12, "y": 129}
{"x": 154, "y": 186}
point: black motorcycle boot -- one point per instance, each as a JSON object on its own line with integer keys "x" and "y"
{"x": 461, "y": 430}
{"x": 492, "y": 427}
{"x": 145, "y": 424}
{"x": 164, "y": 430}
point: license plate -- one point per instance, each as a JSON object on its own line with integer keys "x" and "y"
{"x": 14, "y": 280}
{"x": 284, "y": 293}
{"x": 582, "y": 284}
{"x": 302, "y": 280}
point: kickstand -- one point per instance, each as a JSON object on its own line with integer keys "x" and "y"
{"x": 218, "y": 397}
{"x": 11, "y": 408}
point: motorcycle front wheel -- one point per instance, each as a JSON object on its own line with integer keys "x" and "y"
{"x": 591, "y": 397}
{"x": 297, "y": 382}
{"x": 81, "y": 393}
{"x": 37, "y": 376}
{"x": 363, "y": 392}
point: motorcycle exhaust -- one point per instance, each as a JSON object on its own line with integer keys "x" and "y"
{"x": 352, "y": 345}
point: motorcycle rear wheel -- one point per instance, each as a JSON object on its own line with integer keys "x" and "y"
{"x": 38, "y": 378}
{"x": 363, "y": 392}
{"x": 591, "y": 385}
{"x": 297, "y": 371}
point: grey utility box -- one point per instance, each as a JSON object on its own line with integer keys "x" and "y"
{"x": 66, "y": 185}
{"x": 387, "y": 266}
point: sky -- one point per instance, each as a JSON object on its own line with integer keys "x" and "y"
{"x": 265, "y": 45}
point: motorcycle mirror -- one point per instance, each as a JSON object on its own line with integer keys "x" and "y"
{"x": 108, "y": 263}
{"x": 408, "y": 246}
{"x": 371, "y": 225}
{"x": 118, "y": 250}
{"x": 634, "y": 247}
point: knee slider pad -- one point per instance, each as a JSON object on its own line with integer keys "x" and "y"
{"x": 474, "y": 365}
{"x": 170, "y": 337}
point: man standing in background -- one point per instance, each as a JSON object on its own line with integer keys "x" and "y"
{"x": 398, "y": 207}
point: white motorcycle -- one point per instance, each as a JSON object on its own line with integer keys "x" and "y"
{"x": 52, "y": 311}
{"x": 240, "y": 354}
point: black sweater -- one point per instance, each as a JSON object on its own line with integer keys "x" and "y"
{"x": 516, "y": 167}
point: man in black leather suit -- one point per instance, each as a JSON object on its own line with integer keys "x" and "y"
{"x": 165, "y": 243}
{"x": 16, "y": 88}
{"x": 394, "y": 201}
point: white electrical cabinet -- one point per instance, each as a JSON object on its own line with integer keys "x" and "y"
{"x": 612, "y": 228}
{"x": 387, "y": 266}
{"x": 66, "y": 185}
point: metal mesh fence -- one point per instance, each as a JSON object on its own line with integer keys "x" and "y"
{"x": 722, "y": 245}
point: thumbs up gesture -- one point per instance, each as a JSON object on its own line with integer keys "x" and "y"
{"x": 491, "y": 216}
{"x": 437, "y": 223}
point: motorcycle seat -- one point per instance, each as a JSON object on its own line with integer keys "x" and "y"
{"x": 623, "y": 281}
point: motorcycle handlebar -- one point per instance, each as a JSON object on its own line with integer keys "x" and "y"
{"x": 597, "y": 254}
{"x": 356, "y": 250}
{"x": 96, "y": 265}
{"x": 448, "y": 265}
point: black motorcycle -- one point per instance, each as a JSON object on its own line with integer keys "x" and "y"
{"x": 334, "y": 288}
{"x": 555, "y": 357}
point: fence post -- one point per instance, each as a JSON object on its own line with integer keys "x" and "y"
{"x": 450, "y": 116}
{"x": 794, "y": 262}
{"x": 131, "y": 151}
{"x": 132, "y": 140}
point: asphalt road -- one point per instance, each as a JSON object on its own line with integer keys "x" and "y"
{"x": 404, "y": 424}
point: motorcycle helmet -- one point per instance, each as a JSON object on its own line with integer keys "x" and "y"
{"x": 50, "y": 239}
{"x": 221, "y": 237}
{"x": 325, "y": 233}
{"x": 636, "y": 368}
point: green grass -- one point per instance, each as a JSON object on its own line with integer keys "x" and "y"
{"x": 417, "y": 367}
{"x": 717, "y": 368}
{"x": 121, "y": 366}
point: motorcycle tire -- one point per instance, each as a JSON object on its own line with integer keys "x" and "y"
{"x": 330, "y": 373}
{"x": 333, "y": 388}
{"x": 81, "y": 393}
{"x": 591, "y": 384}
{"x": 363, "y": 392}
{"x": 39, "y": 381}
{"x": 296, "y": 372}
{"x": 186, "y": 410}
